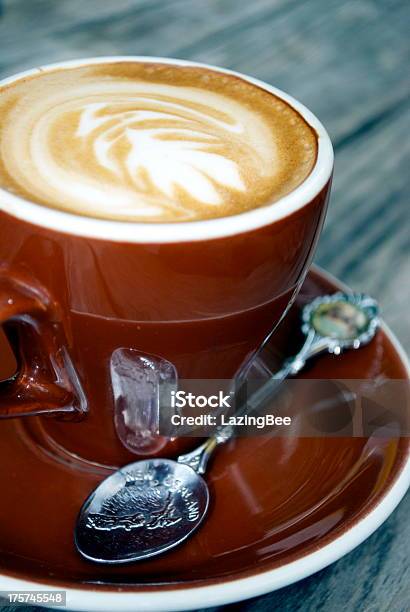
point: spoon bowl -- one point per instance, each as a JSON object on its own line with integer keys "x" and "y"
{"x": 141, "y": 510}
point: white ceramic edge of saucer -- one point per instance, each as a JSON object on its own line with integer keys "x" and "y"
{"x": 230, "y": 591}
{"x": 156, "y": 233}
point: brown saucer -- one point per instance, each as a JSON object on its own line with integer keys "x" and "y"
{"x": 275, "y": 500}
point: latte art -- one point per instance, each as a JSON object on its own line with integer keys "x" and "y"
{"x": 164, "y": 145}
{"x": 150, "y": 142}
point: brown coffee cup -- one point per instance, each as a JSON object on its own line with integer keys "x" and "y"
{"x": 82, "y": 300}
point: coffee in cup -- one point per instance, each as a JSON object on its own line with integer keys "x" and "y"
{"x": 150, "y": 142}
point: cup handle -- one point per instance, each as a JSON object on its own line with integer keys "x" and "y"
{"x": 46, "y": 382}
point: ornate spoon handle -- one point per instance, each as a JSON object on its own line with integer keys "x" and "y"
{"x": 331, "y": 324}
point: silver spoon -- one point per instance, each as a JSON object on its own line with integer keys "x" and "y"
{"x": 150, "y": 506}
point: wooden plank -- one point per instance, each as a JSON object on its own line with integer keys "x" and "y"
{"x": 366, "y": 240}
{"x": 65, "y": 29}
{"x": 343, "y": 61}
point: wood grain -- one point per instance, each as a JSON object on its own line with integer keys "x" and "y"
{"x": 348, "y": 62}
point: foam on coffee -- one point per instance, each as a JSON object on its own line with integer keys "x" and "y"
{"x": 150, "y": 142}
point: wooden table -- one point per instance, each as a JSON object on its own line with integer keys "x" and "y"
{"x": 347, "y": 61}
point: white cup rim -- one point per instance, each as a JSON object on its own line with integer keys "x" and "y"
{"x": 137, "y": 232}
